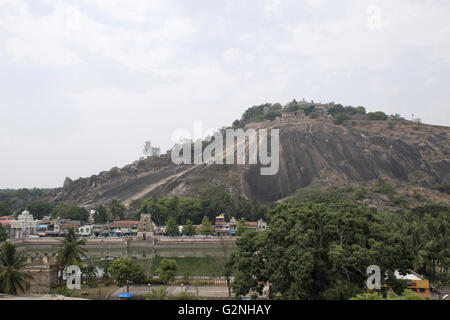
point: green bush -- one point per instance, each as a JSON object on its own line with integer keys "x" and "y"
{"x": 341, "y": 118}
{"x": 272, "y": 114}
{"x": 360, "y": 194}
{"x": 443, "y": 187}
{"x": 379, "y": 115}
{"x": 185, "y": 296}
{"x": 156, "y": 294}
{"x": 64, "y": 291}
{"x": 383, "y": 188}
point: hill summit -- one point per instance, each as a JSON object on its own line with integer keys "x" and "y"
{"x": 321, "y": 145}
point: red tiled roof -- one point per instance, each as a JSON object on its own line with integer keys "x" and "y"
{"x": 123, "y": 224}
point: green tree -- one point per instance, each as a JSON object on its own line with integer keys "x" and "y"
{"x": 360, "y": 110}
{"x": 116, "y": 210}
{"x": 156, "y": 294}
{"x": 272, "y": 114}
{"x": 206, "y": 227}
{"x": 12, "y": 279}
{"x": 172, "y": 228}
{"x": 341, "y": 118}
{"x": 64, "y": 211}
{"x": 126, "y": 270}
{"x": 5, "y": 210}
{"x": 167, "y": 270}
{"x": 3, "y": 235}
{"x": 379, "y": 115}
{"x": 241, "y": 227}
{"x": 188, "y": 228}
{"x": 71, "y": 252}
{"x": 214, "y": 200}
{"x": 133, "y": 209}
{"x": 39, "y": 208}
{"x": 317, "y": 251}
{"x": 101, "y": 214}
{"x": 426, "y": 229}
{"x": 188, "y": 208}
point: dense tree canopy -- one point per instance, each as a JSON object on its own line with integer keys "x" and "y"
{"x": 212, "y": 201}
{"x": 206, "y": 228}
{"x": 317, "y": 251}
{"x": 126, "y": 269}
{"x": 39, "y": 208}
{"x": 188, "y": 228}
{"x": 116, "y": 210}
{"x": 167, "y": 270}
{"x": 3, "y": 235}
{"x": 5, "y": 210}
{"x": 64, "y": 211}
{"x": 101, "y": 214}
{"x": 172, "y": 228}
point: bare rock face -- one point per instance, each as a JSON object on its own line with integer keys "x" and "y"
{"x": 324, "y": 152}
{"x": 312, "y": 151}
{"x": 67, "y": 183}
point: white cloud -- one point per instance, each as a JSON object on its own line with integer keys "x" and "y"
{"x": 272, "y": 6}
{"x": 100, "y": 77}
{"x": 135, "y": 11}
{"x": 34, "y": 51}
{"x": 178, "y": 29}
{"x": 231, "y": 54}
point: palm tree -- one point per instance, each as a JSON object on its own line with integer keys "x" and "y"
{"x": 71, "y": 252}
{"x": 12, "y": 279}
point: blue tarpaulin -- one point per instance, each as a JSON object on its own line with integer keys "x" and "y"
{"x": 126, "y": 295}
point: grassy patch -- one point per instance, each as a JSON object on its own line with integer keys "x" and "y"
{"x": 194, "y": 266}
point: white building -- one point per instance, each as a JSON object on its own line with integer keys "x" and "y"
{"x": 85, "y": 231}
{"x": 25, "y": 225}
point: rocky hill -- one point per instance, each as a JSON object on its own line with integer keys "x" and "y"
{"x": 320, "y": 145}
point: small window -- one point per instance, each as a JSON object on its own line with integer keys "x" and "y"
{"x": 422, "y": 290}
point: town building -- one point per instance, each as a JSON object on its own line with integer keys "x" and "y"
{"x": 221, "y": 228}
{"x": 6, "y": 221}
{"x": 416, "y": 283}
{"x": 123, "y": 228}
{"x": 24, "y": 226}
{"x": 261, "y": 225}
{"x": 85, "y": 231}
{"x": 233, "y": 226}
{"x": 146, "y": 227}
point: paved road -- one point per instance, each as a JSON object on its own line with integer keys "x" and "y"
{"x": 218, "y": 291}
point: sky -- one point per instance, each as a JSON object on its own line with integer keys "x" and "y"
{"x": 84, "y": 83}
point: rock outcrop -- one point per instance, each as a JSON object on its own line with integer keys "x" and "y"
{"x": 312, "y": 151}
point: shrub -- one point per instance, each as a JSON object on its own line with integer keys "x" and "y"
{"x": 360, "y": 194}
{"x": 383, "y": 188}
{"x": 156, "y": 294}
{"x": 340, "y": 118}
{"x": 271, "y": 115}
{"x": 185, "y": 296}
{"x": 443, "y": 187}
{"x": 379, "y": 115}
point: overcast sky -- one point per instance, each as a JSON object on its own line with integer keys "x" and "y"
{"x": 84, "y": 83}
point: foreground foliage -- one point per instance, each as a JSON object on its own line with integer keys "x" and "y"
{"x": 12, "y": 279}
{"x": 318, "y": 251}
